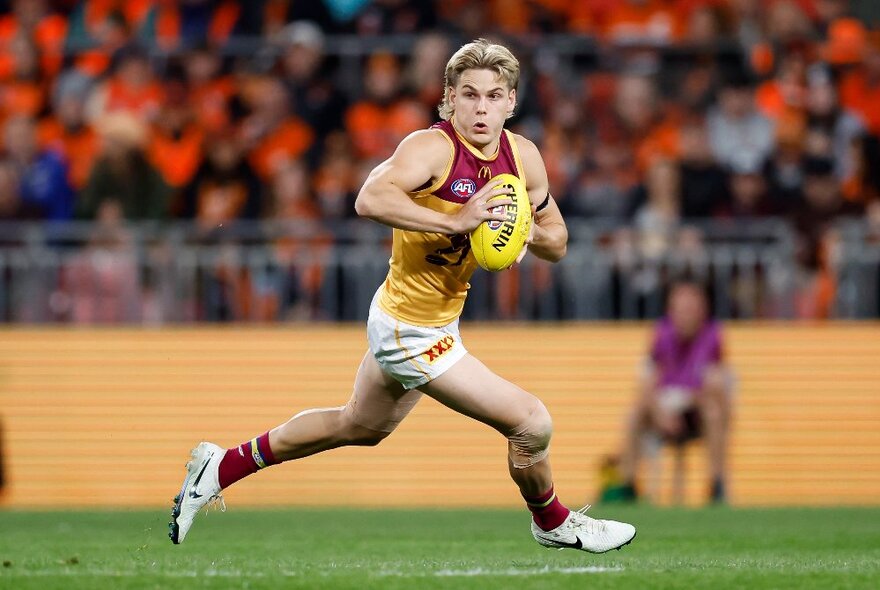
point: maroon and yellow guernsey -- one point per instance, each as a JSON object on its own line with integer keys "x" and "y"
{"x": 428, "y": 279}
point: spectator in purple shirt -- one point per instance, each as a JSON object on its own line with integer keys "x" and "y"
{"x": 685, "y": 390}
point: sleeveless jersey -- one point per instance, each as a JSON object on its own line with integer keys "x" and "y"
{"x": 428, "y": 278}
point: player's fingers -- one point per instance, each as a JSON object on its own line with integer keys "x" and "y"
{"x": 496, "y": 211}
{"x": 498, "y": 190}
{"x": 498, "y": 203}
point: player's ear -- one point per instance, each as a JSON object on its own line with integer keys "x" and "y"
{"x": 512, "y": 102}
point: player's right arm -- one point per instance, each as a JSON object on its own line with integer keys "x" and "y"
{"x": 419, "y": 160}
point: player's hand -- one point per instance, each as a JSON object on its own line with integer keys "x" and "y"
{"x": 529, "y": 239}
{"x": 478, "y": 209}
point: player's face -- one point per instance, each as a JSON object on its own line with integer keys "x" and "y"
{"x": 687, "y": 310}
{"x": 481, "y": 101}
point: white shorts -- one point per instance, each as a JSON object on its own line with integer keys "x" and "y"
{"x": 413, "y": 355}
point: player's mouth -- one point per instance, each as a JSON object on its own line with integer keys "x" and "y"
{"x": 481, "y": 127}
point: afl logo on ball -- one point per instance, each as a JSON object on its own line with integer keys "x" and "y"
{"x": 463, "y": 188}
{"x": 494, "y": 224}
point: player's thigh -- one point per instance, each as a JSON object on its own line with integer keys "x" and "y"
{"x": 379, "y": 402}
{"x": 471, "y": 388}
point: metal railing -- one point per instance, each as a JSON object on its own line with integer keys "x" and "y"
{"x": 179, "y": 273}
{"x": 856, "y": 259}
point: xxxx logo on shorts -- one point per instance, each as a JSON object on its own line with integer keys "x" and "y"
{"x": 433, "y": 353}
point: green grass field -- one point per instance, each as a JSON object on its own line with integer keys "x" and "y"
{"x": 345, "y": 548}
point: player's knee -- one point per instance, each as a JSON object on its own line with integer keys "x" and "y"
{"x": 530, "y": 441}
{"x": 350, "y": 432}
{"x": 364, "y": 437}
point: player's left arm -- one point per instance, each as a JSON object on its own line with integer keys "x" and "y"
{"x": 549, "y": 237}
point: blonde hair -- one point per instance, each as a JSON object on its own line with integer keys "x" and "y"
{"x": 478, "y": 55}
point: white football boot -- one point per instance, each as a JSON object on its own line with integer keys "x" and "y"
{"x": 579, "y": 531}
{"x": 199, "y": 488}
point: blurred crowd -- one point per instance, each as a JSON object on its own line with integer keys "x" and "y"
{"x": 647, "y": 112}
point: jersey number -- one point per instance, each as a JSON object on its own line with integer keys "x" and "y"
{"x": 454, "y": 254}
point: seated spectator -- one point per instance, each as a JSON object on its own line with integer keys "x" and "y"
{"x": 842, "y": 126}
{"x": 33, "y": 20}
{"x": 175, "y": 145}
{"x": 335, "y": 180}
{"x": 427, "y": 67}
{"x": 210, "y": 89}
{"x": 607, "y": 176}
{"x": 23, "y": 92}
{"x": 640, "y": 250}
{"x": 224, "y": 188}
{"x": 783, "y": 171}
{"x": 45, "y": 190}
{"x": 47, "y": 29}
{"x": 273, "y": 135}
{"x": 563, "y": 143}
{"x": 641, "y": 122}
{"x": 685, "y": 390}
{"x": 822, "y": 203}
{"x": 659, "y": 215}
{"x": 132, "y": 88}
{"x": 704, "y": 185}
{"x": 65, "y": 129}
{"x": 382, "y": 118}
{"x": 735, "y": 125}
{"x": 784, "y": 96}
{"x": 122, "y": 173}
{"x": 98, "y": 29}
{"x": 308, "y": 74}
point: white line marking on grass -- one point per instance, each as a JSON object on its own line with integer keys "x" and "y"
{"x": 226, "y": 573}
{"x": 479, "y": 571}
{"x": 535, "y": 571}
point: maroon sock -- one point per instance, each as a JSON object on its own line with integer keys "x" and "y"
{"x": 547, "y": 511}
{"x": 246, "y": 458}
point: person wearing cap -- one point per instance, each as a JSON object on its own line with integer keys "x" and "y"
{"x": 314, "y": 95}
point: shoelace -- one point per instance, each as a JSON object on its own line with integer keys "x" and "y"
{"x": 217, "y": 503}
{"x": 592, "y": 525}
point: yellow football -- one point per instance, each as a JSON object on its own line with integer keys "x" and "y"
{"x": 496, "y": 244}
